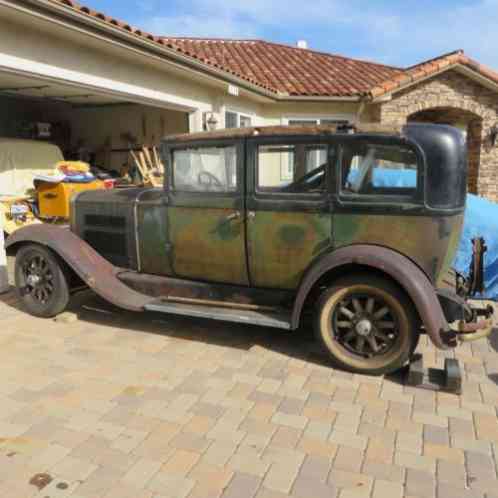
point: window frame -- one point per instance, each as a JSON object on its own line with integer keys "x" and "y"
{"x": 238, "y": 115}
{"x": 349, "y": 198}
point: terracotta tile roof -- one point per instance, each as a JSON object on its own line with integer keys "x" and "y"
{"x": 288, "y": 70}
{"x": 429, "y": 68}
{"x": 285, "y": 70}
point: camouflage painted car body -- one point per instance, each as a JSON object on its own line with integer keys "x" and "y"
{"x": 264, "y": 241}
{"x": 254, "y": 248}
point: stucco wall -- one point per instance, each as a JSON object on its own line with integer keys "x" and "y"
{"x": 274, "y": 114}
{"x": 454, "y": 90}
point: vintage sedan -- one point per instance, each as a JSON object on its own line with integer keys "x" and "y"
{"x": 269, "y": 225}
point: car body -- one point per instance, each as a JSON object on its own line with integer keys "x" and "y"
{"x": 262, "y": 225}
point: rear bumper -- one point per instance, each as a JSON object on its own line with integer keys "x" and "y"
{"x": 479, "y": 328}
{"x": 467, "y": 322}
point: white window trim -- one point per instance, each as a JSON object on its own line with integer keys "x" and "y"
{"x": 318, "y": 117}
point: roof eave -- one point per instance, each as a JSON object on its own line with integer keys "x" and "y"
{"x": 318, "y": 98}
{"x": 174, "y": 57}
{"x": 459, "y": 67}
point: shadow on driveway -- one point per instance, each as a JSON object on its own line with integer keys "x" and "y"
{"x": 90, "y": 308}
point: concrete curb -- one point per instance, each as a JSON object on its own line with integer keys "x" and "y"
{"x": 4, "y": 278}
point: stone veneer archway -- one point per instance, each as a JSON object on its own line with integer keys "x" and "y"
{"x": 468, "y": 122}
{"x": 448, "y": 96}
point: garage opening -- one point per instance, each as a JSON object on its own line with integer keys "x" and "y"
{"x": 105, "y": 132}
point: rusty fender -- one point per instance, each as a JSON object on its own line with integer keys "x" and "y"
{"x": 92, "y": 268}
{"x": 408, "y": 275}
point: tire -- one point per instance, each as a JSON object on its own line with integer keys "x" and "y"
{"x": 362, "y": 337}
{"x": 41, "y": 283}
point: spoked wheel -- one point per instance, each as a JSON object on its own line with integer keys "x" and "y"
{"x": 40, "y": 281}
{"x": 367, "y": 325}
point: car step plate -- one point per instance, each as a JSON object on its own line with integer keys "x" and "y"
{"x": 448, "y": 379}
{"x": 262, "y": 318}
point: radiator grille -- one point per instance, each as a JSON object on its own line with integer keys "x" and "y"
{"x": 111, "y": 245}
{"x": 99, "y": 220}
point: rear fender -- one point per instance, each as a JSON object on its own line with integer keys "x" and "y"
{"x": 89, "y": 265}
{"x": 401, "y": 269}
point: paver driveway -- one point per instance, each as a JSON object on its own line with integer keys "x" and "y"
{"x": 124, "y": 405}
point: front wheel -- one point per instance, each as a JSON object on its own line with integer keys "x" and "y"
{"x": 367, "y": 324}
{"x": 41, "y": 282}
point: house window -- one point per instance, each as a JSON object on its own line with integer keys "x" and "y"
{"x": 237, "y": 120}
{"x": 317, "y": 121}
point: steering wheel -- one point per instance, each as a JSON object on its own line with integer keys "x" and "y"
{"x": 212, "y": 179}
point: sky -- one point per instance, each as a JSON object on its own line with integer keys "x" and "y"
{"x": 399, "y": 33}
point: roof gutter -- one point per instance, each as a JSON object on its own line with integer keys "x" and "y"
{"x": 314, "y": 98}
{"x": 175, "y": 59}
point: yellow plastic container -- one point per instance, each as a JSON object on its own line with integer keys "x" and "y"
{"x": 54, "y": 198}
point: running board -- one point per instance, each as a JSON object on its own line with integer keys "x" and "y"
{"x": 263, "y": 318}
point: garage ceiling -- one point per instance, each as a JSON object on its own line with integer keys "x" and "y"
{"x": 13, "y": 85}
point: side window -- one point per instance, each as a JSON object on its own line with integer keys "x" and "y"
{"x": 375, "y": 169}
{"x": 206, "y": 169}
{"x": 297, "y": 168}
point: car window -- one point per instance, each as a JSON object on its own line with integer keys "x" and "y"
{"x": 375, "y": 169}
{"x": 205, "y": 169}
{"x": 297, "y": 168}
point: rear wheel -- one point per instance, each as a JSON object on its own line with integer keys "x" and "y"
{"x": 367, "y": 325}
{"x": 41, "y": 282}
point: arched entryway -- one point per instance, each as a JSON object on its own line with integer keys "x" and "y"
{"x": 469, "y": 122}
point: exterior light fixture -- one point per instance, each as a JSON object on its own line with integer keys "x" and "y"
{"x": 211, "y": 122}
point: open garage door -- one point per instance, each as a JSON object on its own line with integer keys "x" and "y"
{"x": 85, "y": 124}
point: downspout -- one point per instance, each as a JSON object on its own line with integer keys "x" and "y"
{"x": 359, "y": 112}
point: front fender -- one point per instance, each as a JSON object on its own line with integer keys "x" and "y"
{"x": 401, "y": 269}
{"x": 89, "y": 265}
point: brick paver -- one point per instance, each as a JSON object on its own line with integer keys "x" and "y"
{"x": 115, "y": 404}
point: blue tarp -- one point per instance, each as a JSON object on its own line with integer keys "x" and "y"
{"x": 481, "y": 220}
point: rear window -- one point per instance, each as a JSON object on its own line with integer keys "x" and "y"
{"x": 370, "y": 169}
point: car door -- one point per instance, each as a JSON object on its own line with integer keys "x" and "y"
{"x": 289, "y": 222}
{"x": 206, "y": 224}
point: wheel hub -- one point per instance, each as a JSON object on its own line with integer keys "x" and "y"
{"x": 33, "y": 280}
{"x": 364, "y": 327}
